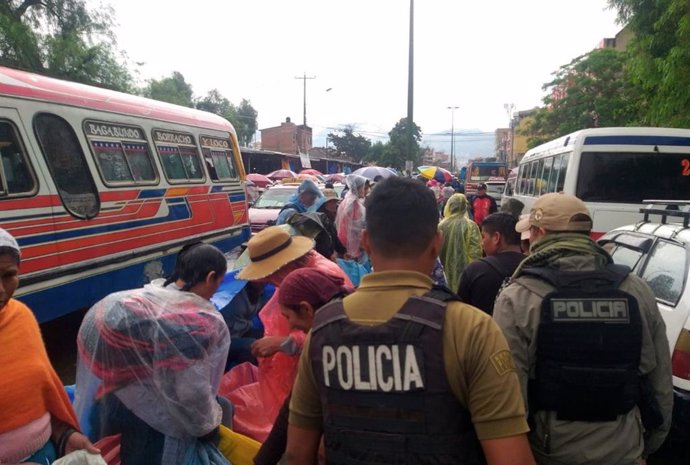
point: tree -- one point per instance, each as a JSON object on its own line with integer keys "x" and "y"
{"x": 243, "y": 118}
{"x": 173, "y": 89}
{"x": 660, "y": 57}
{"x": 63, "y": 39}
{"x": 591, "y": 91}
{"x": 401, "y": 147}
{"x": 245, "y": 122}
{"x": 375, "y": 154}
{"x": 349, "y": 144}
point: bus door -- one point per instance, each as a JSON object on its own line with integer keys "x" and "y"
{"x": 26, "y": 203}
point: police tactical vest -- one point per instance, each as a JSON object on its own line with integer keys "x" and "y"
{"x": 384, "y": 389}
{"x": 588, "y": 346}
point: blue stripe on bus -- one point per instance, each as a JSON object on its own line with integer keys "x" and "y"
{"x": 236, "y": 197}
{"x": 638, "y": 140}
{"x": 151, "y": 193}
{"x": 175, "y": 212}
{"x": 215, "y": 189}
{"x": 48, "y": 304}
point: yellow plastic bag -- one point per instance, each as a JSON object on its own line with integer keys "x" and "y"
{"x": 237, "y": 448}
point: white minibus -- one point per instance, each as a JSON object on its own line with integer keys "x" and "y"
{"x": 611, "y": 169}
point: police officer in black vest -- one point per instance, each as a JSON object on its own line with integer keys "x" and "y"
{"x": 400, "y": 372}
{"x": 589, "y": 344}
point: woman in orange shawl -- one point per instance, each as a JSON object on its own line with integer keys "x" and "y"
{"x": 37, "y": 423}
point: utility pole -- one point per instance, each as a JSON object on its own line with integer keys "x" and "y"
{"x": 304, "y": 79}
{"x": 509, "y": 108}
{"x": 452, "y": 137}
{"x": 410, "y": 85}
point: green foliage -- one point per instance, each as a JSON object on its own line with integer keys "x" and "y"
{"x": 243, "y": 118}
{"x": 402, "y": 147}
{"x": 660, "y": 57}
{"x": 375, "y": 153}
{"x": 63, "y": 39}
{"x": 348, "y": 144}
{"x": 594, "y": 90}
{"x": 173, "y": 89}
{"x": 245, "y": 122}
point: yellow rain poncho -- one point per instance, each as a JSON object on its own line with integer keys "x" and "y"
{"x": 462, "y": 240}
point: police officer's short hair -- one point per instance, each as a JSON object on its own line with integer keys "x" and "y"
{"x": 401, "y": 217}
{"x": 503, "y": 223}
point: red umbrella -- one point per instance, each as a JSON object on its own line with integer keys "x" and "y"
{"x": 337, "y": 177}
{"x": 282, "y": 174}
{"x": 259, "y": 179}
{"x": 303, "y": 176}
{"x": 312, "y": 172}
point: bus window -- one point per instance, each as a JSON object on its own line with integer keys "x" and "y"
{"x": 555, "y": 170}
{"x": 532, "y": 177}
{"x": 67, "y": 165}
{"x": 121, "y": 153}
{"x": 544, "y": 184}
{"x": 538, "y": 180}
{"x": 563, "y": 169}
{"x": 519, "y": 184}
{"x": 179, "y": 155}
{"x": 219, "y": 160}
{"x": 16, "y": 176}
{"x": 633, "y": 177}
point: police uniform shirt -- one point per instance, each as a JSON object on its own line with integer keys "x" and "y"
{"x": 479, "y": 366}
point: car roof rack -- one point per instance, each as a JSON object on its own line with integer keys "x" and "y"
{"x": 672, "y": 209}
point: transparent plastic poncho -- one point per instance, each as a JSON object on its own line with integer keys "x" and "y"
{"x": 161, "y": 352}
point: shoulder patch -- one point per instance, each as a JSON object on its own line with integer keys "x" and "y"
{"x": 503, "y": 362}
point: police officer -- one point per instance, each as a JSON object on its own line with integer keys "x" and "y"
{"x": 589, "y": 344}
{"x": 399, "y": 372}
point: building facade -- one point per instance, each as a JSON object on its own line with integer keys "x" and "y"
{"x": 287, "y": 138}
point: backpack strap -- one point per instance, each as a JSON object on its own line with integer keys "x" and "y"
{"x": 496, "y": 266}
{"x": 442, "y": 293}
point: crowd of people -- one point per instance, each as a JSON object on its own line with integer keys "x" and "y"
{"x": 470, "y": 335}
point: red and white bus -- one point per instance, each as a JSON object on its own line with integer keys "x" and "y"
{"x": 101, "y": 189}
{"x": 613, "y": 170}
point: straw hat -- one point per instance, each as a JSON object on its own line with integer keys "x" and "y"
{"x": 271, "y": 249}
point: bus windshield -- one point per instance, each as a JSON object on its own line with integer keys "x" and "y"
{"x": 633, "y": 177}
{"x": 484, "y": 171}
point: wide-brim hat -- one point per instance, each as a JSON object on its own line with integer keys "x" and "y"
{"x": 270, "y": 250}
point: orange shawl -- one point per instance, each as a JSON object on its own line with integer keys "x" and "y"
{"x": 29, "y": 387}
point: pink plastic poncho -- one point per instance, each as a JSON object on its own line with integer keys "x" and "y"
{"x": 350, "y": 219}
{"x": 258, "y": 393}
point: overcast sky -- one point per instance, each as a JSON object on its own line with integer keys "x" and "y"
{"x": 477, "y": 55}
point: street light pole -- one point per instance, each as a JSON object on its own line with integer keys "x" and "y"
{"x": 452, "y": 136}
{"x": 304, "y": 95}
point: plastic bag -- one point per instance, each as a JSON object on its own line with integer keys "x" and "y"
{"x": 237, "y": 448}
{"x": 80, "y": 457}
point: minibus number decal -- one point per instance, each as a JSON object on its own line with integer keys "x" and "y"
{"x": 686, "y": 166}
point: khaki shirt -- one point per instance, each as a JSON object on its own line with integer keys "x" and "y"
{"x": 556, "y": 442}
{"x": 480, "y": 370}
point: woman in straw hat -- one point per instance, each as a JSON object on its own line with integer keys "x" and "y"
{"x": 273, "y": 255}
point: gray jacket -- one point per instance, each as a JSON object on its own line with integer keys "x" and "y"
{"x": 556, "y": 442}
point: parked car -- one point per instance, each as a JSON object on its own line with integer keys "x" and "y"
{"x": 495, "y": 189}
{"x": 659, "y": 252}
{"x": 265, "y": 210}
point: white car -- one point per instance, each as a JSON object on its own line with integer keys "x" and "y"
{"x": 660, "y": 254}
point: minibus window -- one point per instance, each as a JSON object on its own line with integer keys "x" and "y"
{"x": 179, "y": 155}
{"x": 532, "y": 177}
{"x": 121, "y": 153}
{"x": 67, "y": 164}
{"x": 16, "y": 176}
{"x": 563, "y": 169}
{"x": 218, "y": 156}
{"x": 544, "y": 185}
{"x": 631, "y": 177}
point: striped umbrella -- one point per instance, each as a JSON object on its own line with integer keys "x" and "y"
{"x": 435, "y": 172}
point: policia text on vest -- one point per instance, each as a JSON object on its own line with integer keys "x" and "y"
{"x": 383, "y": 368}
